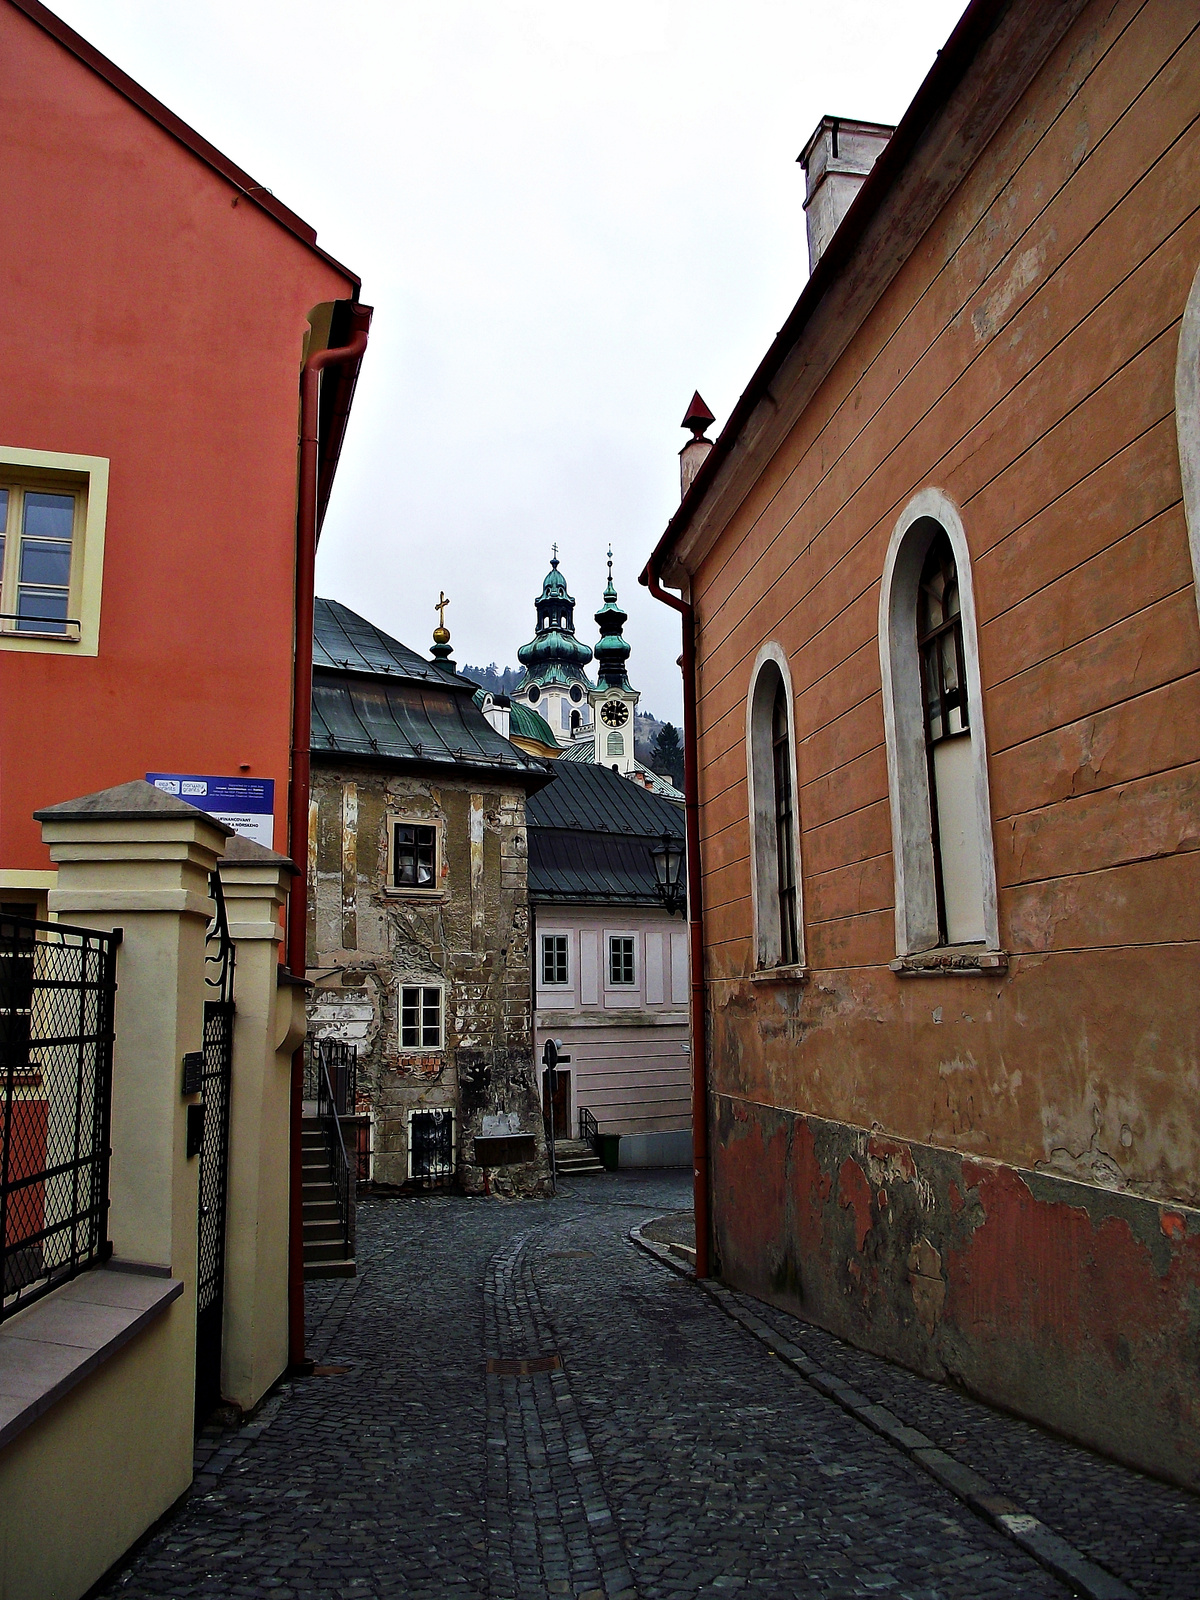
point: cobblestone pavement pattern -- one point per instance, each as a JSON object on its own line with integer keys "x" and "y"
{"x": 669, "y": 1456}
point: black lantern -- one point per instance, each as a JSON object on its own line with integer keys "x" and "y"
{"x": 668, "y": 858}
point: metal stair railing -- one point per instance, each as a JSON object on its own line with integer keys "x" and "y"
{"x": 589, "y": 1131}
{"x": 337, "y": 1081}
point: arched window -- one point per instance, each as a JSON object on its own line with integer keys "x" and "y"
{"x": 576, "y": 721}
{"x": 1187, "y": 421}
{"x": 616, "y": 744}
{"x": 933, "y": 720}
{"x": 774, "y": 829}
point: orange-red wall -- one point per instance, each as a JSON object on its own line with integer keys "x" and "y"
{"x": 152, "y": 318}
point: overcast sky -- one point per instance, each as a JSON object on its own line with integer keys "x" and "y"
{"x": 568, "y": 216}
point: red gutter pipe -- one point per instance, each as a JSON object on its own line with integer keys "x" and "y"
{"x": 297, "y": 914}
{"x": 691, "y": 791}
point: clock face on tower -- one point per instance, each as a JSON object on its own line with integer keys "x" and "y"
{"x": 614, "y": 713}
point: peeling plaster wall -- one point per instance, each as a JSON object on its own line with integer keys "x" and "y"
{"x": 1053, "y": 1298}
{"x": 470, "y": 935}
{"x": 992, "y": 1175}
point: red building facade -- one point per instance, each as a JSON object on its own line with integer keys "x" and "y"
{"x": 159, "y": 307}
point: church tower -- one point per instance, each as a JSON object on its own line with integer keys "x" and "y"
{"x": 554, "y": 684}
{"x": 613, "y": 702}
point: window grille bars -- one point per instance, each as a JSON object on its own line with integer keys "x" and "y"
{"x": 57, "y": 985}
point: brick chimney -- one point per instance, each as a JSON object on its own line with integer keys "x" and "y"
{"x": 694, "y": 452}
{"x": 836, "y": 161}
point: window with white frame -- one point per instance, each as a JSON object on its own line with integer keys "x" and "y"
{"x": 52, "y": 515}
{"x": 555, "y": 961}
{"x": 621, "y": 965}
{"x": 933, "y": 721}
{"x": 421, "y": 1019}
{"x": 414, "y": 853}
{"x": 774, "y": 825}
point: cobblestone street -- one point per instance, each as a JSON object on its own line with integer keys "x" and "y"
{"x": 666, "y": 1452}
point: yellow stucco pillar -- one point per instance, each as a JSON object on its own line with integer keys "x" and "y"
{"x": 139, "y": 860}
{"x": 269, "y": 1024}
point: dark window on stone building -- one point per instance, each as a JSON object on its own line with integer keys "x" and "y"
{"x": 789, "y": 943}
{"x": 414, "y": 856}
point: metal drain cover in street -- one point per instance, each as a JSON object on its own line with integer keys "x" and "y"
{"x": 523, "y": 1366}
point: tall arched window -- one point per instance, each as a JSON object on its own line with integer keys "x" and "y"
{"x": 774, "y": 832}
{"x": 785, "y": 856}
{"x": 1187, "y": 421}
{"x": 933, "y": 720}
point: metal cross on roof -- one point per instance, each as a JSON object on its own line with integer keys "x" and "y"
{"x": 439, "y": 606}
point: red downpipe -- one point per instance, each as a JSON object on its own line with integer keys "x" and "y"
{"x": 691, "y": 790}
{"x": 297, "y": 915}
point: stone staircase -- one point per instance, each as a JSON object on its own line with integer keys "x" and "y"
{"x": 572, "y": 1158}
{"x": 324, "y": 1246}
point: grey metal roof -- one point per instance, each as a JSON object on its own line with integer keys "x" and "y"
{"x": 590, "y": 867}
{"x": 375, "y": 698}
{"x": 344, "y": 641}
{"x": 597, "y": 800}
{"x": 590, "y": 833}
{"x": 407, "y": 721}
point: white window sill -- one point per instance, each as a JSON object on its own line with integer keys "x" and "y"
{"x": 54, "y": 1344}
{"x": 952, "y": 961}
{"x": 793, "y": 974}
{"x": 399, "y": 893}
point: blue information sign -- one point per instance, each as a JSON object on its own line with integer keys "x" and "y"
{"x": 247, "y": 805}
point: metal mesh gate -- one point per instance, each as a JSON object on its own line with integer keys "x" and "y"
{"x": 215, "y": 1086}
{"x": 56, "y": 1036}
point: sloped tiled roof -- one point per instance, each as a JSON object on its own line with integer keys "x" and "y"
{"x": 344, "y": 641}
{"x": 527, "y": 724}
{"x": 590, "y": 834}
{"x": 583, "y": 751}
{"x": 597, "y": 800}
{"x": 375, "y": 698}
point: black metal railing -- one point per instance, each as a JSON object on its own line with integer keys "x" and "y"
{"x": 57, "y": 985}
{"x": 589, "y": 1130}
{"x": 337, "y": 1079}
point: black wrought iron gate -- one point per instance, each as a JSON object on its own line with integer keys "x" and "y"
{"x": 215, "y": 1087}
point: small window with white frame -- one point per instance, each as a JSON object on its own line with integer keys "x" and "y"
{"x": 622, "y": 968}
{"x": 556, "y": 965}
{"x": 413, "y": 851}
{"x": 52, "y": 510}
{"x": 421, "y": 1016}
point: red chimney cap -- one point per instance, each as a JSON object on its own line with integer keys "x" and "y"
{"x": 698, "y": 416}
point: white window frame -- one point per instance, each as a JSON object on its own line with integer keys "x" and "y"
{"x": 917, "y": 926}
{"x": 621, "y": 933}
{"x": 421, "y": 984}
{"x": 86, "y": 477}
{"x": 396, "y": 819}
{"x": 543, "y": 981}
{"x": 760, "y": 790}
{"x": 1187, "y": 422}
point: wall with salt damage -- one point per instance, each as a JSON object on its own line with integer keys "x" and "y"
{"x": 471, "y": 933}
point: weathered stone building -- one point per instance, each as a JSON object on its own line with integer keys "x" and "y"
{"x": 419, "y": 914}
{"x": 947, "y": 694}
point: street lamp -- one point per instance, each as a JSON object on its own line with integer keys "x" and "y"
{"x": 668, "y": 857}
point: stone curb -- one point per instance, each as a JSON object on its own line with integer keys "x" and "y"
{"x": 1046, "y": 1547}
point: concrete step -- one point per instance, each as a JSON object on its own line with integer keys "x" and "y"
{"x": 324, "y": 1250}
{"x": 574, "y": 1165}
{"x": 321, "y": 1232}
{"x": 321, "y": 1210}
{"x": 329, "y": 1269}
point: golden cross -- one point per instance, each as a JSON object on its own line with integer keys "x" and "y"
{"x": 439, "y": 606}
